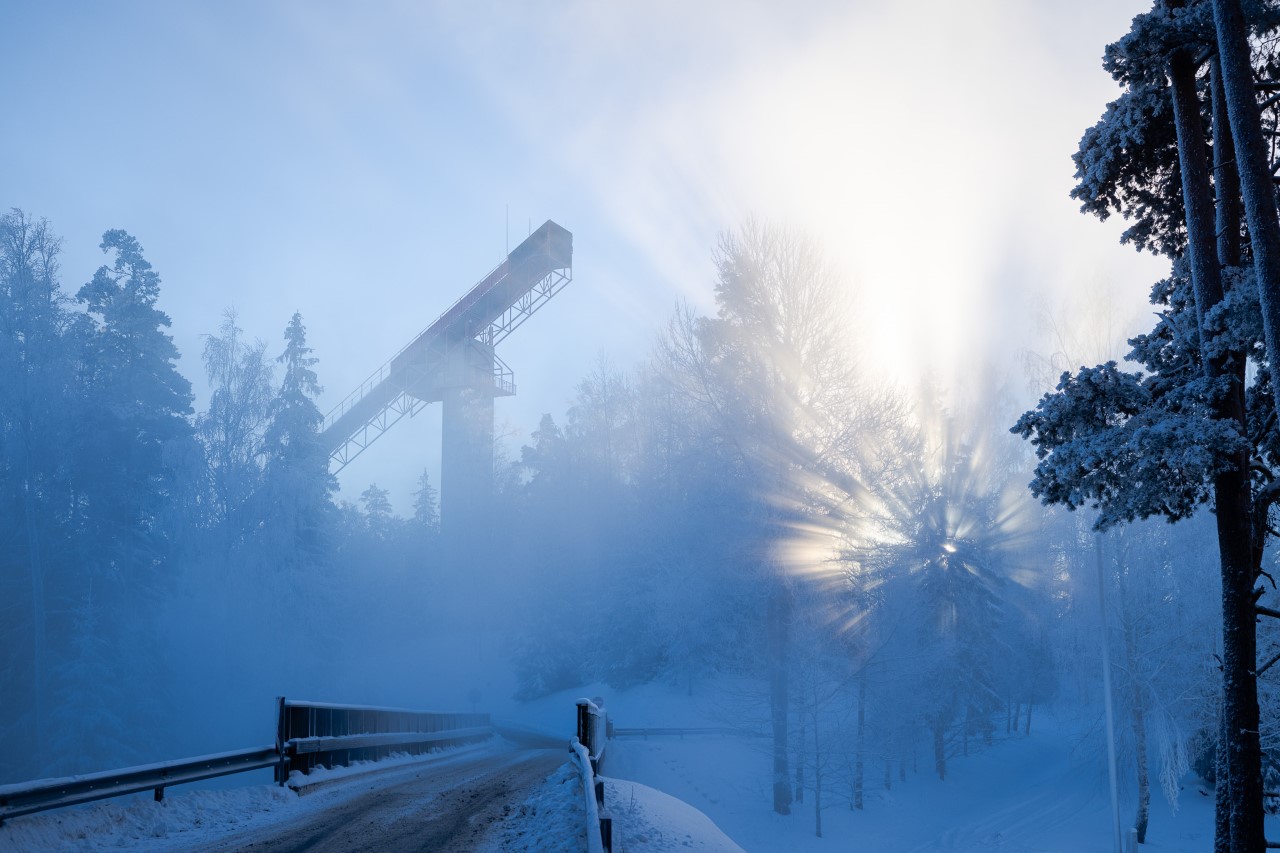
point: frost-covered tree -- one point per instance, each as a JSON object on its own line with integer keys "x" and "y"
{"x": 232, "y": 429}
{"x": 141, "y": 407}
{"x": 295, "y": 501}
{"x": 38, "y": 388}
{"x": 937, "y": 560}
{"x": 426, "y": 505}
{"x": 136, "y": 418}
{"x": 774, "y": 369}
{"x": 378, "y": 517}
{"x": 1184, "y": 430}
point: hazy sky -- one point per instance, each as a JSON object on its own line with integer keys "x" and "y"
{"x": 355, "y": 162}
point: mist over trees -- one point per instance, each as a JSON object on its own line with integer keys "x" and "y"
{"x": 746, "y": 508}
{"x": 857, "y": 575}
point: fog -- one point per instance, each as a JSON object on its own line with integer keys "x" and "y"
{"x": 759, "y": 455}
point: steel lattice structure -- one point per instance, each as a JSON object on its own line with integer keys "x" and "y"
{"x": 453, "y": 361}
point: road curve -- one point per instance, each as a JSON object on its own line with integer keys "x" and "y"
{"x": 446, "y": 809}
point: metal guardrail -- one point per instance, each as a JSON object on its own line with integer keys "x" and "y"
{"x": 679, "y": 732}
{"x": 319, "y": 733}
{"x": 43, "y": 794}
{"x": 307, "y": 734}
{"x": 588, "y": 747}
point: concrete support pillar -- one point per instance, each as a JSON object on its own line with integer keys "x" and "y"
{"x": 466, "y": 461}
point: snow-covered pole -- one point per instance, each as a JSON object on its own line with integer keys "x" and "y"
{"x": 595, "y": 844}
{"x": 1106, "y": 693}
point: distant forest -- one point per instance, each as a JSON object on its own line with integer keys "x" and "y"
{"x": 747, "y": 506}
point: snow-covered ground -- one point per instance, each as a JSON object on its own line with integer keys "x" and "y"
{"x": 1044, "y": 792}
{"x": 551, "y": 820}
{"x": 646, "y": 819}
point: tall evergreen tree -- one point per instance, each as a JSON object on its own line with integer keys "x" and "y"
{"x": 426, "y": 505}
{"x": 1186, "y": 431}
{"x": 136, "y": 408}
{"x": 140, "y": 405}
{"x": 37, "y": 395}
{"x": 378, "y": 517}
{"x": 297, "y": 503}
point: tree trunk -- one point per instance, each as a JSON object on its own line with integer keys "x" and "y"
{"x": 940, "y": 746}
{"x": 817, "y": 778}
{"x": 799, "y": 795}
{"x": 1139, "y": 734}
{"x": 1233, "y": 500}
{"x": 39, "y": 655}
{"x": 1255, "y": 175}
{"x": 1222, "y": 791}
{"x": 778, "y": 619}
{"x": 1028, "y": 729}
{"x": 1017, "y": 713}
{"x": 888, "y": 774}
{"x": 861, "y": 743}
{"x": 1226, "y": 175}
{"x": 1227, "y": 183}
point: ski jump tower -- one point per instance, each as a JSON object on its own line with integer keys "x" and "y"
{"x": 454, "y": 362}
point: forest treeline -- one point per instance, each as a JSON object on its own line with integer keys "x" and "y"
{"x": 857, "y": 575}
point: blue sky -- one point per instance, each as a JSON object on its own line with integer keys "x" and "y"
{"x": 357, "y": 165}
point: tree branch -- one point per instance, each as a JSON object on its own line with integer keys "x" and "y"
{"x": 1266, "y": 666}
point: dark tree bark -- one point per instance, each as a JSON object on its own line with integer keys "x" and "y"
{"x": 1231, "y": 488}
{"x": 1139, "y": 720}
{"x": 1222, "y": 790}
{"x": 778, "y": 623}
{"x": 1255, "y": 173}
{"x": 817, "y": 779}
{"x": 940, "y": 746}
{"x": 1226, "y": 178}
{"x": 861, "y": 743}
{"x": 799, "y": 788}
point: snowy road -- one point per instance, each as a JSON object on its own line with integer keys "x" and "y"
{"x": 448, "y": 808}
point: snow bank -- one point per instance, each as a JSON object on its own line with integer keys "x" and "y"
{"x": 184, "y": 821}
{"x": 646, "y": 819}
{"x": 552, "y": 820}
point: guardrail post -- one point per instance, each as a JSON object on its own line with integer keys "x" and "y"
{"x": 584, "y": 726}
{"x": 282, "y": 737}
{"x": 606, "y": 833}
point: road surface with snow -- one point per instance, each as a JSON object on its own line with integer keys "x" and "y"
{"x": 449, "y": 808}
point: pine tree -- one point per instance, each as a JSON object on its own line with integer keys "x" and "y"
{"x": 140, "y": 404}
{"x": 38, "y": 408}
{"x": 296, "y": 500}
{"x": 426, "y": 505}
{"x": 1187, "y": 431}
{"x": 378, "y": 517}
